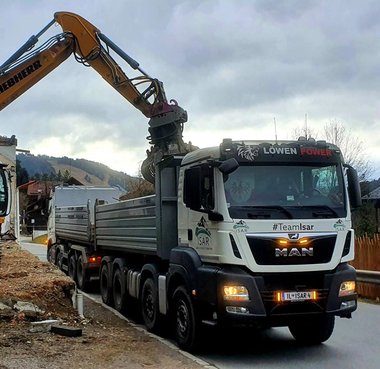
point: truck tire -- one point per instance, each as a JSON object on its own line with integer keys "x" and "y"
{"x": 59, "y": 259}
{"x": 105, "y": 284}
{"x": 186, "y": 324}
{"x": 149, "y": 306}
{"x": 49, "y": 255}
{"x": 118, "y": 291}
{"x": 73, "y": 267}
{"x": 83, "y": 280}
{"x": 313, "y": 331}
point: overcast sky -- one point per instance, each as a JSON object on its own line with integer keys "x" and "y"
{"x": 233, "y": 65}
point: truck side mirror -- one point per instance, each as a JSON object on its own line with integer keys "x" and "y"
{"x": 192, "y": 190}
{"x": 228, "y": 166}
{"x": 354, "y": 192}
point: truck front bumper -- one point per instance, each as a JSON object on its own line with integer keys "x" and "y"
{"x": 264, "y": 305}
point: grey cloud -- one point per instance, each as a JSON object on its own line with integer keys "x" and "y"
{"x": 248, "y": 59}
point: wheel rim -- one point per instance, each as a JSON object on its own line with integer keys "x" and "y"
{"x": 80, "y": 272}
{"x": 104, "y": 284}
{"x": 117, "y": 292}
{"x": 182, "y": 319}
{"x": 72, "y": 268}
{"x": 149, "y": 305}
{"x": 59, "y": 260}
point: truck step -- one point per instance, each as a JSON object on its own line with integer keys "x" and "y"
{"x": 211, "y": 323}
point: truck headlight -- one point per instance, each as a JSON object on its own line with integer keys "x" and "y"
{"x": 347, "y": 288}
{"x": 235, "y": 293}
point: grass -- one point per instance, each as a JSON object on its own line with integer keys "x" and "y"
{"x": 40, "y": 239}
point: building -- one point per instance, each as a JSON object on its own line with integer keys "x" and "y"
{"x": 33, "y": 203}
{"x": 374, "y": 198}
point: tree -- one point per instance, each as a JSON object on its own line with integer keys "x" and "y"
{"x": 351, "y": 146}
{"x": 138, "y": 187}
{"x": 22, "y": 175}
{"x": 66, "y": 176}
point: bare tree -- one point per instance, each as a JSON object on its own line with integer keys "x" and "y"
{"x": 304, "y": 131}
{"x": 351, "y": 146}
{"x": 138, "y": 187}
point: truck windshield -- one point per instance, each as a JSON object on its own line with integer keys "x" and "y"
{"x": 3, "y": 194}
{"x": 286, "y": 192}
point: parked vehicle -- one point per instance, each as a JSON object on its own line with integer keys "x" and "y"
{"x": 249, "y": 233}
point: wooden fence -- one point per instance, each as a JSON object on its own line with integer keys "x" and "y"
{"x": 367, "y": 257}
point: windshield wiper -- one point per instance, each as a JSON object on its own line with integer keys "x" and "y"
{"x": 324, "y": 211}
{"x": 264, "y": 211}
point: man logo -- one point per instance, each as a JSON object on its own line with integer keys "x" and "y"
{"x": 302, "y": 252}
{"x": 293, "y": 236}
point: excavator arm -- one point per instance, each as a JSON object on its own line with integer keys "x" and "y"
{"x": 92, "y": 48}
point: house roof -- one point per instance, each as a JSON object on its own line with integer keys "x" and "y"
{"x": 373, "y": 195}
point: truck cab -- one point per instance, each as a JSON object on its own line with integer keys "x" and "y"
{"x": 272, "y": 220}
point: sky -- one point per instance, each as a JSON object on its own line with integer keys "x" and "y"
{"x": 236, "y": 67}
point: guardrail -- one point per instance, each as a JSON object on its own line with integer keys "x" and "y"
{"x": 368, "y": 276}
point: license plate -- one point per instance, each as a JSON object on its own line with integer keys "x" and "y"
{"x": 298, "y": 295}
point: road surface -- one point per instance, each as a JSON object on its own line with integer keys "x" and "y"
{"x": 354, "y": 344}
{"x": 34, "y": 248}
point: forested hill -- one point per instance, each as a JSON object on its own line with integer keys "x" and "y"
{"x": 86, "y": 171}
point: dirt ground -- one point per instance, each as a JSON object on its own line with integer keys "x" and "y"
{"x": 106, "y": 341}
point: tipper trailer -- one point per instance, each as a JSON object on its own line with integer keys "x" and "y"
{"x": 248, "y": 233}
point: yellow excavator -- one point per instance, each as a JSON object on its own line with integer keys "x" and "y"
{"x": 30, "y": 63}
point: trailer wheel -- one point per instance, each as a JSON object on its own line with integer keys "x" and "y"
{"x": 186, "y": 324}
{"x": 149, "y": 306}
{"x": 82, "y": 275}
{"x": 118, "y": 291}
{"x": 313, "y": 331}
{"x": 72, "y": 267}
{"x": 105, "y": 285}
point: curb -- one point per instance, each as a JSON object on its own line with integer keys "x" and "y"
{"x": 140, "y": 328}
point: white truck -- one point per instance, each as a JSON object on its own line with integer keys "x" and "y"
{"x": 249, "y": 232}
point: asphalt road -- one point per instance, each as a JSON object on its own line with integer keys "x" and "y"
{"x": 34, "y": 248}
{"x": 354, "y": 344}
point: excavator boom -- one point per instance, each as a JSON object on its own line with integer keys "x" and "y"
{"x": 92, "y": 48}
{"x": 28, "y": 72}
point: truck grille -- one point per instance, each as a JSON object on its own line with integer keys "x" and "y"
{"x": 267, "y": 250}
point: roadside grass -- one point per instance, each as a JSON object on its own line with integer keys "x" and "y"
{"x": 40, "y": 239}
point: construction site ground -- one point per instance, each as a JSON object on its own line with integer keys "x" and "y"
{"x": 106, "y": 340}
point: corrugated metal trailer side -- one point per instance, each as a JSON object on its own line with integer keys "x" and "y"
{"x": 129, "y": 225}
{"x": 73, "y": 223}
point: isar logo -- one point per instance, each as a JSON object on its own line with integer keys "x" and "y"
{"x": 294, "y": 252}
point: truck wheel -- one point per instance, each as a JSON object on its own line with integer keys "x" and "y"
{"x": 149, "y": 306}
{"x": 313, "y": 331}
{"x": 186, "y": 325}
{"x": 49, "y": 255}
{"x": 105, "y": 285}
{"x": 82, "y": 275}
{"x": 59, "y": 259}
{"x": 118, "y": 291}
{"x": 72, "y": 267}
